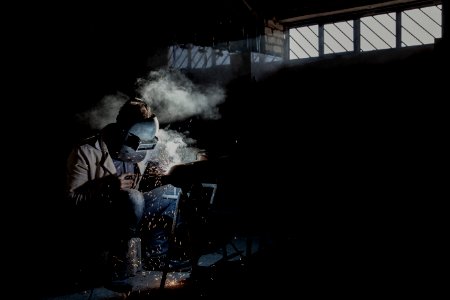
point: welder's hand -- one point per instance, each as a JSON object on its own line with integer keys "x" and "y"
{"x": 127, "y": 181}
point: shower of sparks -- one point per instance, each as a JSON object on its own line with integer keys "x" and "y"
{"x": 172, "y": 283}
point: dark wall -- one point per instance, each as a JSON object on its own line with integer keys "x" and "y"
{"x": 348, "y": 128}
{"x": 337, "y": 152}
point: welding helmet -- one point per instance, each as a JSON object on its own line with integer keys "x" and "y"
{"x": 138, "y": 139}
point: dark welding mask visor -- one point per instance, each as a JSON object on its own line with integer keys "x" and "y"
{"x": 135, "y": 143}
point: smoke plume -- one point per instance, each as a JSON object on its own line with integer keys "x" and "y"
{"x": 174, "y": 97}
{"x": 173, "y": 148}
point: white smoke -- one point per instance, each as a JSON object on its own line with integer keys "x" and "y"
{"x": 170, "y": 94}
{"x": 174, "y": 97}
{"x": 172, "y": 148}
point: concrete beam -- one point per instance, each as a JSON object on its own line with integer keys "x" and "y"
{"x": 352, "y": 10}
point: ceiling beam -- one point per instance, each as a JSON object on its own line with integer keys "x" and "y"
{"x": 352, "y": 10}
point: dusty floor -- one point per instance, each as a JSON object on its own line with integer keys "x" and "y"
{"x": 214, "y": 272}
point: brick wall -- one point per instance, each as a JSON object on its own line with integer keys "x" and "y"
{"x": 274, "y": 38}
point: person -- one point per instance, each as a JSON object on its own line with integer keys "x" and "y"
{"x": 118, "y": 193}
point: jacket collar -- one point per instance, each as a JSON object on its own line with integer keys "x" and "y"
{"x": 106, "y": 161}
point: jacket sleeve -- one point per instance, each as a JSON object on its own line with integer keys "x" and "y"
{"x": 82, "y": 187}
